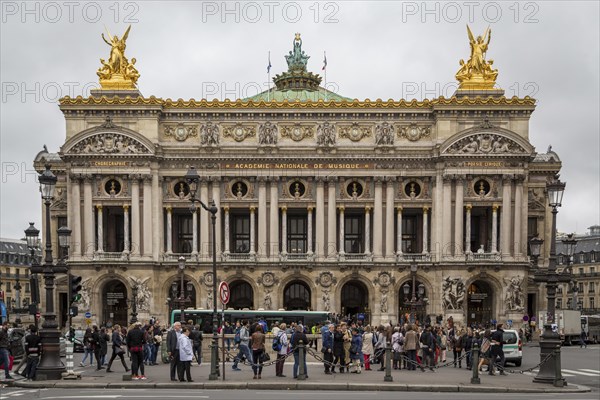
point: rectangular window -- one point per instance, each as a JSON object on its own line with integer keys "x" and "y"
{"x": 532, "y": 231}
{"x": 62, "y": 221}
{"x": 559, "y": 290}
{"x": 240, "y": 233}
{"x": 592, "y": 257}
{"x": 409, "y": 234}
{"x": 582, "y": 258}
{"x": 297, "y": 233}
{"x": 592, "y": 287}
{"x": 558, "y": 304}
{"x": 580, "y": 271}
{"x": 184, "y": 233}
{"x": 27, "y": 289}
{"x": 592, "y": 303}
{"x": 569, "y": 302}
{"x": 580, "y": 287}
{"x": 353, "y": 233}
{"x": 592, "y": 270}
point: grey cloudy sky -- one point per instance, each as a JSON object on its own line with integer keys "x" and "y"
{"x": 189, "y": 49}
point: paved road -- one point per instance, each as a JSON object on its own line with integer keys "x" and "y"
{"x": 78, "y": 394}
{"x": 579, "y": 366}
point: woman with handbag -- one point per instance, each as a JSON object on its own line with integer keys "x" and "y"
{"x": 88, "y": 347}
{"x": 258, "y": 348}
{"x": 118, "y": 348}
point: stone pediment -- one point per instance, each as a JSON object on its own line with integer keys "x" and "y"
{"x": 486, "y": 143}
{"x": 108, "y": 141}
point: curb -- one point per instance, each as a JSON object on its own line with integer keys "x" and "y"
{"x": 318, "y": 386}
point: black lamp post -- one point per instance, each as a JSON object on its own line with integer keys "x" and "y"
{"x": 414, "y": 301}
{"x": 192, "y": 178}
{"x": 182, "y": 299}
{"x": 570, "y": 244}
{"x": 50, "y": 365}
{"x": 535, "y": 248}
{"x": 550, "y": 369}
{"x": 33, "y": 242}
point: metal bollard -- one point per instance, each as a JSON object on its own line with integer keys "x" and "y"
{"x": 475, "y": 364}
{"x": 388, "y": 363}
{"x": 301, "y": 361}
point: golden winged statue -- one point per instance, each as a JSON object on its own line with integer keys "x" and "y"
{"x": 477, "y": 72}
{"x": 118, "y": 73}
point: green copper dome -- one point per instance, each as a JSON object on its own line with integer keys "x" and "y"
{"x": 297, "y": 83}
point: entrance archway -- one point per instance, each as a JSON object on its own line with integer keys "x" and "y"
{"x": 480, "y": 299}
{"x": 242, "y": 295}
{"x": 114, "y": 305}
{"x": 296, "y": 296}
{"x": 404, "y": 306}
{"x": 355, "y": 300}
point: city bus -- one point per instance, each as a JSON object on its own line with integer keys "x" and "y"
{"x": 203, "y": 317}
{"x": 590, "y": 324}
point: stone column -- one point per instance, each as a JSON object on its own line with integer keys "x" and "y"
{"x": 389, "y": 218}
{"x": 331, "y": 218}
{"x": 204, "y": 220}
{"x": 399, "y": 230}
{"x": 136, "y": 243}
{"x": 89, "y": 240}
{"x": 252, "y": 230}
{"x": 320, "y": 219}
{"x": 169, "y": 211}
{"x": 458, "y": 216}
{"x": 216, "y": 195}
{"x": 367, "y": 230}
{"x": 75, "y": 208}
{"x": 284, "y": 231}
{"x": 468, "y": 229}
{"x": 100, "y": 229}
{"x": 341, "y": 250}
{"x": 195, "y": 232}
{"x": 309, "y": 231}
{"x": 126, "y": 228}
{"x": 518, "y": 208}
{"x": 274, "y": 219}
{"x": 494, "y": 228}
{"x": 378, "y": 218}
{"x": 148, "y": 216}
{"x": 425, "y": 230}
{"x": 447, "y": 217}
{"x": 505, "y": 226}
{"x": 262, "y": 217}
{"x": 226, "y": 228}
{"x": 157, "y": 221}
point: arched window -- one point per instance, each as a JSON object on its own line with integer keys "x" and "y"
{"x": 242, "y": 295}
{"x": 355, "y": 299}
{"x": 296, "y": 296}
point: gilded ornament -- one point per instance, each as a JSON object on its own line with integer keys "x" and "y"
{"x": 297, "y": 132}
{"x": 414, "y": 132}
{"x": 239, "y": 132}
{"x": 477, "y": 72}
{"x": 354, "y": 132}
{"x": 118, "y": 73}
{"x": 180, "y": 132}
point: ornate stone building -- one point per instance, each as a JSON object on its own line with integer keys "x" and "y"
{"x": 325, "y": 203}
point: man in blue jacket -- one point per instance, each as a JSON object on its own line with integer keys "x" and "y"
{"x": 327, "y": 346}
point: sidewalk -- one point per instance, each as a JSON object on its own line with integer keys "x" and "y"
{"x": 447, "y": 379}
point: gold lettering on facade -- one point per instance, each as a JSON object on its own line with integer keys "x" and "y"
{"x": 297, "y": 165}
{"x": 484, "y": 164}
{"x": 111, "y": 163}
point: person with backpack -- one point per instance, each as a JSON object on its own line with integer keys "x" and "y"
{"x": 196, "y": 338}
{"x": 397, "y": 348}
{"x": 258, "y": 348}
{"x": 243, "y": 338}
{"x": 280, "y": 345}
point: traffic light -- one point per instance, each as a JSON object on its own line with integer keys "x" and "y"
{"x": 74, "y": 288}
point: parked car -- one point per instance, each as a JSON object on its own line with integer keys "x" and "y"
{"x": 513, "y": 347}
{"x": 78, "y": 342}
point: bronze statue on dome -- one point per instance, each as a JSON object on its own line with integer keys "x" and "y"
{"x": 297, "y": 59}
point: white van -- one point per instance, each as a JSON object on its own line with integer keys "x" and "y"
{"x": 513, "y": 347}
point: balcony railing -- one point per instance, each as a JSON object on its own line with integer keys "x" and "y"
{"x": 418, "y": 257}
{"x": 239, "y": 257}
{"x": 484, "y": 257}
{"x": 296, "y": 257}
{"x": 110, "y": 256}
{"x": 355, "y": 257}
{"x": 175, "y": 256}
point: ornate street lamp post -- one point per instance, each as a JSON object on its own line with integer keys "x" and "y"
{"x": 183, "y": 299}
{"x": 414, "y": 301}
{"x": 550, "y": 369}
{"x": 570, "y": 245}
{"x": 33, "y": 242}
{"x": 192, "y": 178}
{"x": 50, "y": 365}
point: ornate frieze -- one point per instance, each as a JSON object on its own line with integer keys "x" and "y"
{"x": 180, "y": 132}
{"x": 326, "y": 279}
{"x": 326, "y": 135}
{"x": 515, "y": 298}
{"x": 239, "y": 131}
{"x": 384, "y": 279}
{"x": 384, "y": 134}
{"x": 268, "y": 134}
{"x": 143, "y": 293}
{"x": 109, "y": 143}
{"x": 209, "y": 134}
{"x": 297, "y": 132}
{"x": 267, "y": 279}
{"x": 453, "y": 292}
{"x": 488, "y": 143}
{"x": 355, "y": 132}
{"x": 414, "y": 132}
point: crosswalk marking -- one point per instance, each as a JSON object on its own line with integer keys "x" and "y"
{"x": 591, "y": 370}
{"x": 579, "y": 372}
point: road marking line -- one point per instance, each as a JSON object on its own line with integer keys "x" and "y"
{"x": 535, "y": 371}
{"x": 593, "y": 371}
{"x": 579, "y": 372}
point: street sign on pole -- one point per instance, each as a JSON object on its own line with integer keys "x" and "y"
{"x": 88, "y": 315}
{"x": 224, "y": 292}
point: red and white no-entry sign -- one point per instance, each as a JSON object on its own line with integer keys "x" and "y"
{"x": 224, "y": 292}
